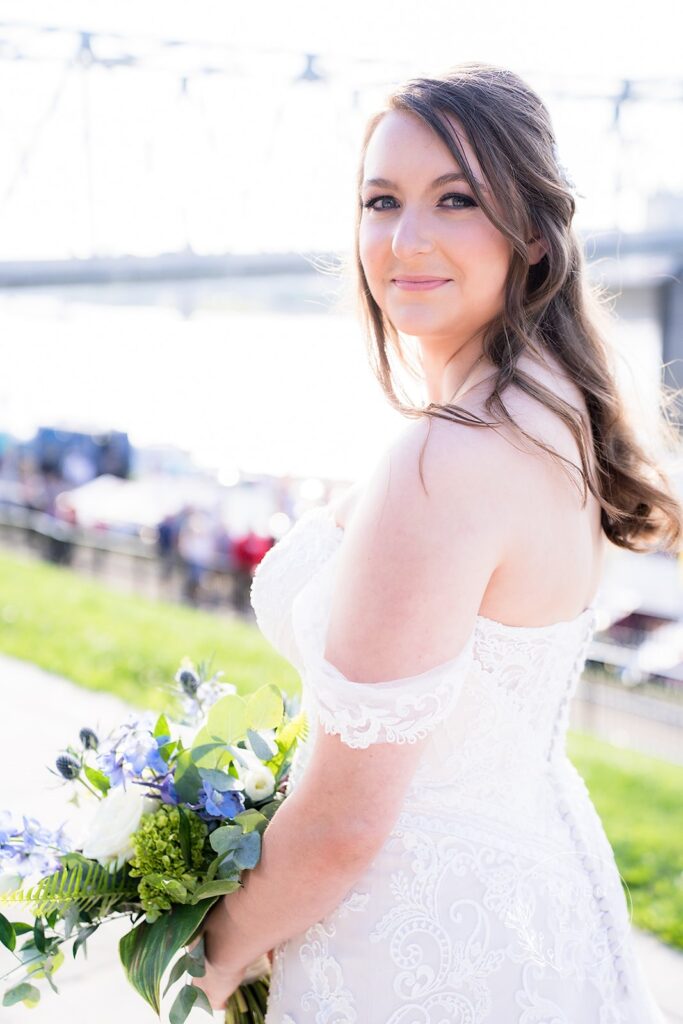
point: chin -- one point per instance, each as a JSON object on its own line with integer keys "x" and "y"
{"x": 420, "y": 323}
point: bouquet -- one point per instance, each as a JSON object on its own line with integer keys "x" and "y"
{"x": 174, "y": 821}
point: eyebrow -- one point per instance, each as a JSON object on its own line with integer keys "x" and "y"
{"x": 444, "y": 179}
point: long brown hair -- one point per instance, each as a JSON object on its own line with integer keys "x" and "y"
{"x": 548, "y": 305}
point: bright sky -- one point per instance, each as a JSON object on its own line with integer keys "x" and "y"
{"x": 122, "y": 160}
{"x": 583, "y": 38}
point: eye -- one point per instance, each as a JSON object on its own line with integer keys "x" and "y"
{"x": 372, "y": 204}
{"x": 460, "y": 202}
{"x": 461, "y": 199}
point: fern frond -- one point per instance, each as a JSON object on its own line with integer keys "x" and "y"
{"x": 81, "y": 882}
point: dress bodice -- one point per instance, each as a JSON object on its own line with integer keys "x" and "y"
{"x": 496, "y": 715}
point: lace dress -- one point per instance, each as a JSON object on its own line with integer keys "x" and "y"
{"x": 496, "y": 897}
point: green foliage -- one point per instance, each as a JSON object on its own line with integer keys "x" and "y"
{"x": 169, "y": 851}
{"x": 81, "y": 882}
{"x": 97, "y": 779}
{"x": 188, "y": 997}
{"x": 24, "y": 993}
{"x": 8, "y": 935}
{"x": 640, "y": 802}
{"x": 148, "y": 949}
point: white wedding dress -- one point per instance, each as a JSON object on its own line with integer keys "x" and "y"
{"x": 496, "y": 897}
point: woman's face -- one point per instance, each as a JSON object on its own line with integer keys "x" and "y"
{"x": 434, "y": 263}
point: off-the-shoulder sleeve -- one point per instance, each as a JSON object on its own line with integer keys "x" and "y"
{"x": 397, "y": 711}
{"x": 401, "y": 710}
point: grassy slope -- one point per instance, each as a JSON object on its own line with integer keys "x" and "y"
{"x": 126, "y": 645}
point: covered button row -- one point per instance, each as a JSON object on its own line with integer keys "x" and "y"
{"x": 586, "y": 857}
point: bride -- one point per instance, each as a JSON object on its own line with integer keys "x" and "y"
{"x": 438, "y": 857}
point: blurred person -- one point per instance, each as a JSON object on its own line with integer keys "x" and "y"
{"x": 248, "y": 550}
{"x": 438, "y": 857}
{"x": 167, "y": 540}
{"x": 196, "y": 552}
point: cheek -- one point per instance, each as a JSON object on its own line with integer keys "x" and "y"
{"x": 371, "y": 261}
{"x": 372, "y": 247}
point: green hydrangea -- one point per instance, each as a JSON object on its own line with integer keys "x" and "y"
{"x": 165, "y": 877}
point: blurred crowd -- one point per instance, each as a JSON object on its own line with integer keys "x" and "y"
{"x": 194, "y": 549}
{"x": 198, "y": 544}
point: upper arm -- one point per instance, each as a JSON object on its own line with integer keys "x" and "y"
{"x": 411, "y": 573}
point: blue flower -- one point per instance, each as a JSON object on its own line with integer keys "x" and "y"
{"x": 165, "y": 790}
{"x": 32, "y": 849}
{"x": 219, "y": 805}
{"x": 142, "y": 751}
{"x": 131, "y": 750}
{"x": 8, "y": 827}
{"x": 113, "y": 765}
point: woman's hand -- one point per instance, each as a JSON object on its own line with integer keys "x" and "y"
{"x": 220, "y": 979}
{"x": 219, "y": 983}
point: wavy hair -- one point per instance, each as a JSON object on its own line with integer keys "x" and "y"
{"x": 548, "y": 305}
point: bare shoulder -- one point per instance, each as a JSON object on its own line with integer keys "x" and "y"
{"x": 438, "y": 473}
{"x": 416, "y": 558}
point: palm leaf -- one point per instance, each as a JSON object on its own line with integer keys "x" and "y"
{"x": 79, "y": 882}
{"x": 148, "y": 949}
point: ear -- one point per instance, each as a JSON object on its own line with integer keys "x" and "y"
{"x": 537, "y": 250}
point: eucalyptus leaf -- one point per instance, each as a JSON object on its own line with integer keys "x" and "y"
{"x": 227, "y": 718}
{"x": 185, "y": 965}
{"x": 228, "y": 868}
{"x": 21, "y": 992}
{"x": 265, "y": 708}
{"x": 204, "y": 746}
{"x": 259, "y": 746}
{"x": 248, "y": 852}
{"x": 202, "y": 1001}
{"x": 251, "y": 819}
{"x": 183, "y": 1004}
{"x": 225, "y": 838}
{"x": 222, "y": 781}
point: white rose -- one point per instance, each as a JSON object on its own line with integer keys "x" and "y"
{"x": 259, "y": 782}
{"x": 117, "y": 817}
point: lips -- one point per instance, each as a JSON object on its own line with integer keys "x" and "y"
{"x": 419, "y": 282}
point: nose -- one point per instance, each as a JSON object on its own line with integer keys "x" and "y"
{"x": 411, "y": 236}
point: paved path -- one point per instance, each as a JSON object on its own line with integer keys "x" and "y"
{"x": 41, "y": 714}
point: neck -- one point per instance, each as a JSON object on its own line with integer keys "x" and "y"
{"x": 448, "y": 372}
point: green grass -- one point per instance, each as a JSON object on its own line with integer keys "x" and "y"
{"x": 640, "y": 802}
{"x": 125, "y": 645}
